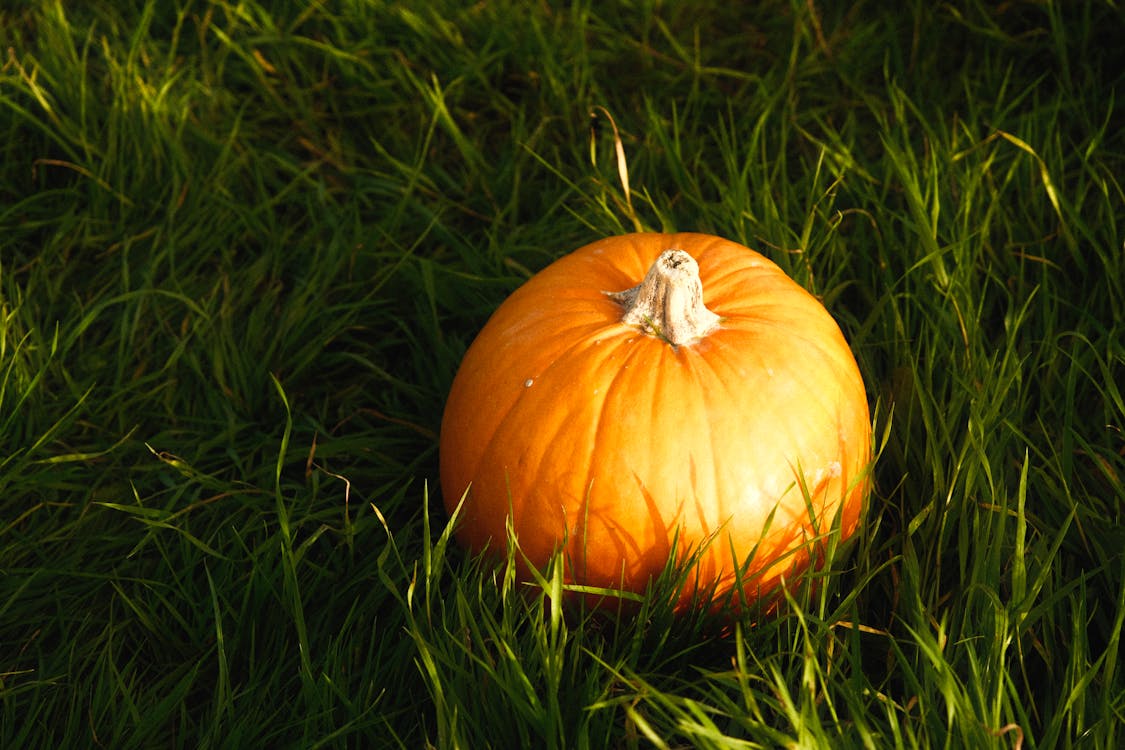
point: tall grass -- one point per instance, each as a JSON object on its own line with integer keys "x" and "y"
{"x": 243, "y": 246}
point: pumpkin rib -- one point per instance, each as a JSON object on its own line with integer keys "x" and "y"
{"x": 647, "y": 479}
{"x": 772, "y": 306}
{"x": 719, "y": 276}
{"x": 565, "y": 360}
{"x": 597, "y": 431}
{"x": 702, "y": 375}
{"x": 719, "y": 404}
{"x": 558, "y": 361}
{"x": 608, "y": 350}
{"x": 610, "y": 417}
{"x": 786, "y": 336}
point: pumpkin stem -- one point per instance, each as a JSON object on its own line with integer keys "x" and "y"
{"x": 669, "y": 301}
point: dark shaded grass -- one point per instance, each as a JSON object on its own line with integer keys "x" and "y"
{"x": 243, "y": 246}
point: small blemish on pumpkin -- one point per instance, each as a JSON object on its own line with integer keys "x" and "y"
{"x": 527, "y": 383}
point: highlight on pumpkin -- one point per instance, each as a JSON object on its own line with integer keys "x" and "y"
{"x": 723, "y": 446}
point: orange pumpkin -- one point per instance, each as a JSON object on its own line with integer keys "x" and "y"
{"x": 707, "y": 403}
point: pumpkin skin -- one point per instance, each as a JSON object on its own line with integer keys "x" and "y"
{"x": 595, "y": 438}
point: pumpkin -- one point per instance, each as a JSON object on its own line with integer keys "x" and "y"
{"x": 651, "y": 396}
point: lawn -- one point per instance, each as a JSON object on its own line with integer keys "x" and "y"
{"x": 244, "y": 245}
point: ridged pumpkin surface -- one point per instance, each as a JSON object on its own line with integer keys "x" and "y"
{"x": 604, "y": 441}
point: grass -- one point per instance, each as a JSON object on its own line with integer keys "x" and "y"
{"x": 243, "y": 246}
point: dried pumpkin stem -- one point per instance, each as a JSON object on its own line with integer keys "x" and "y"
{"x": 669, "y": 301}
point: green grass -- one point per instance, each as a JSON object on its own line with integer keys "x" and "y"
{"x": 243, "y": 246}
